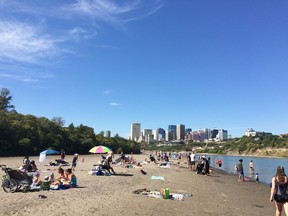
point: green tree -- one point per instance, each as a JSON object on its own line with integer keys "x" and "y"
{"x": 5, "y": 100}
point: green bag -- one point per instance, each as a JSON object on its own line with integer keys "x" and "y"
{"x": 45, "y": 185}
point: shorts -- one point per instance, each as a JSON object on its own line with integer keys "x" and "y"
{"x": 74, "y": 164}
{"x": 240, "y": 173}
{"x": 192, "y": 162}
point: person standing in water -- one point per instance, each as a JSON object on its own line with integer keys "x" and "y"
{"x": 251, "y": 167}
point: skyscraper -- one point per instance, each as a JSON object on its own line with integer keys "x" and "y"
{"x": 171, "y": 128}
{"x": 159, "y": 134}
{"x": 135, "y": 131}
{"x": 108, "y": 133}
{"x": 180, "y": 132}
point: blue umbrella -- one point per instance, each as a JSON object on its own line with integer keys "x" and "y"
{"x": 49, "y": 151}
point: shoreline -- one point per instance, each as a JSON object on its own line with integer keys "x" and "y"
{"x": 217, "y": 194}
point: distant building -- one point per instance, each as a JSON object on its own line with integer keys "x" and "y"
{"x": 171, "y": 135}
{"x": 223, "y": 135}
{"x": 207, "y": 134}
{"x": 188, "y": 130}
{"x": 147, "y": 135}
{"x": 172, "y": 128}
{"x": 180, "y": 132}
{"x": 135, "y": 131}
{"x": 159, "y": 134}
{"x": 108, "y": 133}
{"x": 251, "y": 132}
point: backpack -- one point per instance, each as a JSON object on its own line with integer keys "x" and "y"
{"x": 281, "y": 194}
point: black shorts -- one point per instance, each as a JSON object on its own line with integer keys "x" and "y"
{"x": 192, "y": 162}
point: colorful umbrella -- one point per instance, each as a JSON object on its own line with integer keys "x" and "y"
{"x": 100, "y": 149}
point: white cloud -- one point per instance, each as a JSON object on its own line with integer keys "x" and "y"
{"x": 114, "y": 104}
{"x": 79, "y": 33}
{"x": 24, "y": 43}
{"x": 27, "y": 77}
{"x": 112, "y": 12}
{"x": 107, "y": 91}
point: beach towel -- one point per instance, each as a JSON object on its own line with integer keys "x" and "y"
{"x": 157, "y": 178}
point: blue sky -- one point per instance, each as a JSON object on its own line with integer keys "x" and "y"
{"x": 107, "y": 64}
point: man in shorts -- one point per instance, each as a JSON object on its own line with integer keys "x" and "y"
{"x": 192, "y": 158}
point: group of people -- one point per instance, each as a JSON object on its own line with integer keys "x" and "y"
{"x": 29, "y": 166}
{"x": 66, "y": 179}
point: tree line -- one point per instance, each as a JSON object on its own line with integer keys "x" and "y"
{"x": 22, "y": 135}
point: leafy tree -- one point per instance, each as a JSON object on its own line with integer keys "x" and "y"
{"x": 58, "y": 120}
{"x": 5, "y": 100}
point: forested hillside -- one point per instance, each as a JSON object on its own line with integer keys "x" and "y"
{"x": 29, "y": 135}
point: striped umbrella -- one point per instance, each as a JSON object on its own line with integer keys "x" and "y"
{"x": 100, "y": 149}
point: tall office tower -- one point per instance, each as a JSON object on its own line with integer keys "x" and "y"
{"x": 135, "y": 131}
{"x": 180, "y": 132}
{"x": 147, "y": 133}
{"x": 214, "y": 134}
{"x": 172, "y": 128}
{"x": 159, "y": 134}
{"x": 171, "y": 135}
{"x": 208, "y": 132}
{"x": 223, "y": 135}
{"x": 108, "y": 133}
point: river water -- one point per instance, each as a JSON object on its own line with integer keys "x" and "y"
{"x": 265, "y": 167}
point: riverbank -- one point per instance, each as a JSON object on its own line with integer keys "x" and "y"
{"x": 217, "y": 194}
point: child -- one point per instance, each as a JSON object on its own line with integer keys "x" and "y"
{"x": 36, "y": 182}
{"x": 257, "y": 178}
{"x": 74, "y": 161}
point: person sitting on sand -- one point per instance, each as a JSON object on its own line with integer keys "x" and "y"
{"x": 107, "y": 164}
{"x": 36, "y": 182}
{"x": 71, "y": 179}
{"x": 60, "y": 178}
{"x": 152, "y": 159}
{"x": 33, "y": 166}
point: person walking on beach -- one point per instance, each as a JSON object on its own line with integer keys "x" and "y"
{"x": 240, "y": 170}
{"x": 62, "y": 154}
{"x": 279, "y": 191}
{"x": 189, "y": 162}
{"x": 193, "y": 156}
{"x": 123, "y": 159}
{"x": 74, "y": 161}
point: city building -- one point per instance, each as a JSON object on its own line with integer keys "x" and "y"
{"x": 172, "y": 128}
{"x": 180, "y": 132}
{"x": 171, "y": 135}
{"x": 159, "y": 134}
{"x": 108, "y": 133}
{"x": 135, "y": 132}
{"x": 223, "y": 135}
{"x": 147, "y": 135}
{"x": 251, "y": 132}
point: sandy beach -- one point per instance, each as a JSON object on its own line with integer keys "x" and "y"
{"x": 217, "y": 194}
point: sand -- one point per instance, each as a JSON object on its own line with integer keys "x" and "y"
{"x": 217, "y": 194}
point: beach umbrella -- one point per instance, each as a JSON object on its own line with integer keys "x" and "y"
{"x": 100, "y": 150}
{"x": 42, "y": 156}
{"x": 49, "y": 152}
